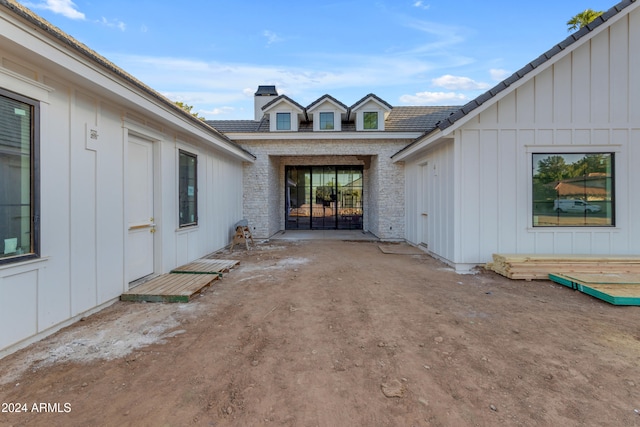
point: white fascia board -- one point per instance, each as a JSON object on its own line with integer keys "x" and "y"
{"x": 367, "y": 100}
{"x": 80, "y": 70}
{"x": 325, "y": 101}
{"x": 282, "y": 101}
{"x": 299, "y": 136}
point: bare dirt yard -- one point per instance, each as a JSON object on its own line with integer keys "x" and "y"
{"x": 332, "y": 333}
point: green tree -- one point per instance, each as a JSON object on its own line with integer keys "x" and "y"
{"x": 188, "y": 109}
{"x": 582, "y": 19}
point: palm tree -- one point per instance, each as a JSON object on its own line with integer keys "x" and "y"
{"x": 582, "y": 19}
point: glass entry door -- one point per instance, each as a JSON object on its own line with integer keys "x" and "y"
{"x": 323, "y": 198}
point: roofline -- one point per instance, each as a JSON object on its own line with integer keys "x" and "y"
{"x": 545, "y": 57}
{"x": 65, "y": 39}
{"x": 479, "y": 101}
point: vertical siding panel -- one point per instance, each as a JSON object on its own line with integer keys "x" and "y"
{"x": 488, "y": 191}
{"x": 580, "y": 83}
{"x": 507, "y": 109}
{"x": 83, "y": 208}
{"x": 526, "y": 242}
{"x": 631, "y": 192}
{"x": 544, "y": 97}
{"x": 470, "y": 196}
{"x": 525, "y": 107}
{"x": 562, "y": 91}
{"x": 600, "y": 84}
{"x": 634, "y": 66}
{"x": 507, "y": 191}
{"x": 54, "y": 299}
{"x": 619, "y": 56}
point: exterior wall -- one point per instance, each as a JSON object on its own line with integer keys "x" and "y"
{"x": 480, "y": 201}
{"x": 430, "y": 201}
{"x": 383, "y": 181}
{"x": 83, "y": 184}
{"x": 585, "y": 102}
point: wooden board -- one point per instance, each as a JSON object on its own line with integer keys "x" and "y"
{"x": 400, "y": 249}
{"x": 170, "y": 288}
{"x": 207, "y": 266}
{"x": 531, "y": 267}
{"x": 626, "y": 291}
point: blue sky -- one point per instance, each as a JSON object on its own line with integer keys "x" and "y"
{"x": 213, "y": 54}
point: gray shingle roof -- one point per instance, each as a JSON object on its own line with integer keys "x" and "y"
{"x": 477, "y": 102}
{"x": 371, "y": 95}
{"x": 401, "y": 119}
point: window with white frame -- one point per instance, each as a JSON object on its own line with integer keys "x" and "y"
{"x": 188, "y": 189}
{"x": 326, "y": 121}
{"x": 573, "y": 189}
{"x": 19, "y": 177}
{"x": 283, "y": 121}
{"x": 370, "y": 120}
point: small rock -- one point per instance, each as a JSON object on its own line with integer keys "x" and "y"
{"x": 631, "y": 384}
{"x": 438, "y": 339}
{"x": 381, "y": 344}
{"x": 426, "y": 367}
{"x": 84, "y": 384}
{"x": 393, "y": 389}
{"x": 254, "y": 363}
{"x": 229, "y": 410}
{"x": 493, "y": 408}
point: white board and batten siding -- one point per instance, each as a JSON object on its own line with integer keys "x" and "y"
{"x": 585, "y": 100}
{"x": 85, "y": 184}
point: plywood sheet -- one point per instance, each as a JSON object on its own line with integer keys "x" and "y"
{"x": 624, "y": 292}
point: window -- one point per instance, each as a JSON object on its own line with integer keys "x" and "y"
{"x": 326, "y": 121}
{"x": 573, "y": 189}
{"x": 370, "y": 120}
{"x": 283, "y": 121}
{"x": 188, "y": 189}
{"x": 19, "y": 178}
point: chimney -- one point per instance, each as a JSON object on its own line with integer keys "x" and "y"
{"x": 263, "y": 96}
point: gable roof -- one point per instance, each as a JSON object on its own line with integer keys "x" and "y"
{"x": 282, "y": 98}
{"x": 329, "y": 98}
{"x": 477, "y": 102}
{"x": 373, "y": 96}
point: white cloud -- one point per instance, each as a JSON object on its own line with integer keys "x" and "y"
{"x": 420, "y": 4}
{"x": 434, "y": 98}
{"x": 458, "y": 83}
{"x": 271, "y": 37}
{"x": 113, "y": 24}
{"x": 63, "y": 7}
{"x": 498, "y": 74}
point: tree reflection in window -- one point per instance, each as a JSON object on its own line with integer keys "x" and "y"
{"x": 573, "y": 189}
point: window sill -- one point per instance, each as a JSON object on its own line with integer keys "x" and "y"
{"x": 186, "y": 228}
{"x": 19, "y": 266}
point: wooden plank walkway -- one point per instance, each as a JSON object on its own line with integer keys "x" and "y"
{"x": 614, "y": 288}
{"x": 207, "y": 266}
{"x": 170, "y": 288}
{"x": 182, "y": 283}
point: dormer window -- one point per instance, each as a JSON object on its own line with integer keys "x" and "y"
{"x": 370, "y": 120}
{"x": 326, "y": 121}
{"x": 283, "y": 121}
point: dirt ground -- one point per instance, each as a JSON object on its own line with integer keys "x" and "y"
{"x": 330, "y": 333}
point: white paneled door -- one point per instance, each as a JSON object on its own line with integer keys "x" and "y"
{"x": 141, "y": 222}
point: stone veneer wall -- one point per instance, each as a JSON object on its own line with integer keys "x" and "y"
{"x": 263, "y": 181}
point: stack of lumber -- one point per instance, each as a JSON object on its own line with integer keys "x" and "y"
{"x": 532, "y": 267}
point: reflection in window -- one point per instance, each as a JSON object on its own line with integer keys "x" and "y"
{"x": 188, "y": 189}
{"x": 573, "y": 189}
{"x": 326, "y": 121}
{"x": 283, "y": 121}
{"x": 370, "y": 120}
{"x": 19, "y": 204}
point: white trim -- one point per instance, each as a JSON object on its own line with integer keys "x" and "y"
{"x": 287, "y": 135}
{"x": 16, "y": 83}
